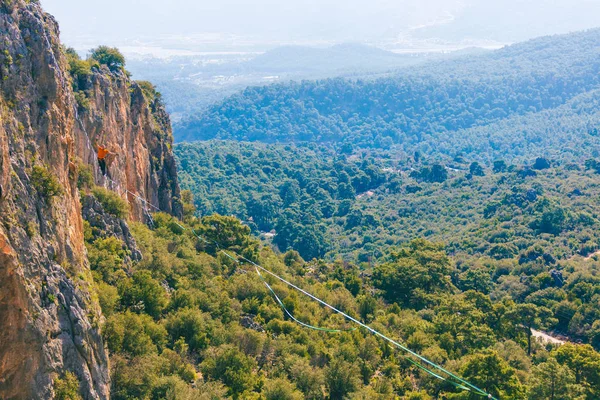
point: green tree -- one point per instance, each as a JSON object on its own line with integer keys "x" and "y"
{"x": 476, "y": 169}
{"x": 491, "y": 373}
{"x": 584, "y": 362}
{"x": 289, "y": 192}
{"x": 143, "y": 293}
{"x": 133, "y": 334}
{"x": 281, "y": 389}
{"x": 109, "y": 56}
{"x": 499, "y": 166}
{"x": 264, "y": 210}
{"x": 149, "y": 91}
{"x": 345, "y": 191}
{"x": 437, "y": 173}
{"x": 310, "y": 243}
{"x": 366, "y": 306}
{"x": 107, "y": 258}
{"x": 233, "y": 368}
{"x": 541, "y": 163}
{"x": 79, "y": 69}
{"x": 226, "y": 233}
{"x": 552, "y": 381}
{"x": 341, "y": 378}
{"x": 551, "y": 218}
{"x": 292, "y": 258}
{"x": 422, "y": 266}
{"x": 45, "y": 182}
{"x": 111, "y": 202}
{"x": 67, "y": 387}
{"x": 191, "y": 325}
{"x": 189, "y": 210}
{"x": 477, "y": 279}
{"x": 531, "y": 316}
{"x": 308, "y": 379}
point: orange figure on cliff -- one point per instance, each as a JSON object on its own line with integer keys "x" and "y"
{"x": 103, "y": 154}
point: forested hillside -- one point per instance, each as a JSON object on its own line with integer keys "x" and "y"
{"x": 512, "y": 229}
{"x": 187, "y": 312}
{"x": 293, "y": 190}
{"x": 463, "y": 188}
{"x": 546, "y": 84}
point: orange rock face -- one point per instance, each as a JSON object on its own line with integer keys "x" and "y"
{"x": 136, "y": 133}
{"x": 48, "y": 318}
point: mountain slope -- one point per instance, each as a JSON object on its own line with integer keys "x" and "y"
{"x": 415, "y": 106}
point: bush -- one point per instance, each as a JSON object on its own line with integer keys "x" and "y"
{"x": 108, "y": 297}
{"x": 66, "y": 387}
{"x": 109, "y": 56}
{"x": 80, "y": 70}
{"x": 144, "y": 294}
{"x": 133, "y": 334}
{"x": 45, "y": 182}
{"x": 541, "y": 163}
{"x": 341, "y": 378}
{"x": 233, "y": 368}
{"x": 281, "y": 389}
{"x": 189, "y": 324}
{"x": 85, "y": 178}
{"x": 112, "y": 202}
{"x": 149, "y": 90}
{"x": 107, "y": 257}
{"x": 83, "y": 103}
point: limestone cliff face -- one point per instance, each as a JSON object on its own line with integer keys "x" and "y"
{"x": 49, "y": 318}
{"x": 137, "y": 132}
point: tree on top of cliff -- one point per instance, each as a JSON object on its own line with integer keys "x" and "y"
{"x": 109, "y": 56}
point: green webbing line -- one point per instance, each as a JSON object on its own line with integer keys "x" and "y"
{"x": 285, "y": 310}
{"x": 294, "y": 318}
{"x": 207, "y": 242}
{"x": 458, "y": 385}
{"x": 234, "y": 259}
{"x": 465, "y": 385}
{"x": 413, "y": 362}
{"x": 470, "y": 387}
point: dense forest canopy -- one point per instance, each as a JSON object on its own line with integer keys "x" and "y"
{"x": 485, "y": 101}
{"x": 186, "y": 313}
{"x": 321, "y": 201}
{"x": 515, "y": 231}
{"x": 462, "y": 198}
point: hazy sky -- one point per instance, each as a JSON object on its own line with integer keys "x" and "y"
{"x": 236, "y": 24}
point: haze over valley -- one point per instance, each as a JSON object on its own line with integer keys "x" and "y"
{"x": 201, "y": 57}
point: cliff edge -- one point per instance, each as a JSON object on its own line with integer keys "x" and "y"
{"x": 49, "y": 315}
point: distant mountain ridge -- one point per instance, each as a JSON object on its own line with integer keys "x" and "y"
{"x": 192, "y": 83}
{"x": 341, "y": 57}
{"x": 416, "y": 106}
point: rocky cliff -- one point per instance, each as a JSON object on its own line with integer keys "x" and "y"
{"x": 135, "y": 128}
{"x": 49, "y": 317}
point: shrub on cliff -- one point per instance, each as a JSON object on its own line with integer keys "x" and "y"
{"x": 79, "y": 69}
{"x": 149, "y": 91}
{"x": 45, "y": 182}
{"x": 109, "y": 56}
{"x": 112, "y": 202}
{"x": 66, "y": 387}
{"x": 85, "y": 176}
